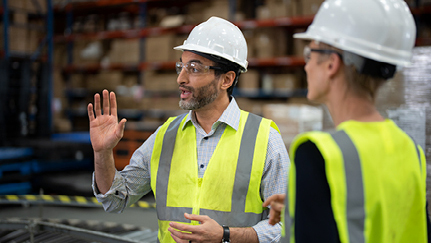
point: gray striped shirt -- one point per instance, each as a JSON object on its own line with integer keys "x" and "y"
{"x": 134, "y": 180}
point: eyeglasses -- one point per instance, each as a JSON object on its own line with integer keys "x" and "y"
{"x": 308, "y": 50}
{"x": 194, "y": 68}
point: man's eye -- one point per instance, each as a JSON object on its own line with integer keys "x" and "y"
{"x": 195, "y": 70}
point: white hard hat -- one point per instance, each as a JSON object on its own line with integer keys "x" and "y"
{"x": 381, "y": 30}
{"x": 218, "y": 37}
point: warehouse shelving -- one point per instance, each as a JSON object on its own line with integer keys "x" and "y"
{"x": 291, "y": 61}
{"x": 139, "y": 7}
{"x": 23, "y": 59}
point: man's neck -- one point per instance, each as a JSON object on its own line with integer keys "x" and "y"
{"x": 208, "y": 115}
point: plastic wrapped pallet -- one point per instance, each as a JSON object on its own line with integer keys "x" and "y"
{"x": 293, "y": 119}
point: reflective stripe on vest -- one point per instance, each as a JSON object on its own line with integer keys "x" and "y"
{"x": 355, "y": 201}
{"x": 355, "y": 204}
{"x": 163, "y": 212}
{"x": 237, "y": 216}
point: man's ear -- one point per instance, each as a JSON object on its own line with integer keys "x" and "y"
{"x": 228, "y": 79}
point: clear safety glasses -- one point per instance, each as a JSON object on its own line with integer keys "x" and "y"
{"x": 308, "y": 50}
{"x": 194, "y": 68}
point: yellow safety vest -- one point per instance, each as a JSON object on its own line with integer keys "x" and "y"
{"x": 229, "y": 191}
{"x": 377, "y": 178}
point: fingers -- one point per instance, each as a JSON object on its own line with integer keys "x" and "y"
{"x": 97, "y": 109}
{"x": 274, "y": 218}
{"x": 113, "y": 102}
{"x": 200, "y": 218}
{"x": 177, "y": 239}
{"x": 109, "y": 104}
{"x": 105, "y": 94}
{"x": 90, "y": 112}
{"x": 277, "y": 206}
{"x": 178, "y": 235}
{"x": 181, "y": 227}
{"x": 120, "y": 128}
{"x": 274, "y": 198}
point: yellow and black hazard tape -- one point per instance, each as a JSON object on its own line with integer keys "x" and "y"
{"x": 63, "y": 200}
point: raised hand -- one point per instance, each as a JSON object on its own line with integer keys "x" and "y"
{"x": 276, "y": 202}
{"x": 105, "y": 130}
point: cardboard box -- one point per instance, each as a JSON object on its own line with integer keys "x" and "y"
{"x": 125, "y": 102}
{"x": 250, "y": 105}
{"x": 18, "y": 39}
{"x": 58, "y": 84}
{"x": 179, "y": 40}
{"x": 156, "y": 81}
{"x": 195, "y": 12}
{"x": 161, "y": 103}
{"x": 310, "y": 7}
{"x": 77, "y": 80}
{"x": 293, "y": 119}
{"x": 270, "y": 42}
{"x": 35, "y": 6}
{"x": 298, "y": 45}
{"x": 124, "y": 51}
{"x": 104, "y": 80}
{"x": 249, "y": 82}
{"x": 276, "y": 9}
{"x": 160, "y": 48}
{"x": 19, "y": 18}
{"x": 16, "y": 4}
{"x": 219, "y": 8}
{"x": 249, "y": 35}
{"x": 285, "y": 82}
{"x": 60, "y": 55}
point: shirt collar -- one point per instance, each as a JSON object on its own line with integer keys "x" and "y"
{"x": 230, "y": 116}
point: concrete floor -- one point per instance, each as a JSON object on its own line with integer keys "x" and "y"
{"x": 79, "y": 184}
{"x": 145, "y": 218}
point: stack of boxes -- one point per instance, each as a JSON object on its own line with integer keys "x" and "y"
{"x": 157, "y": 89}
{"x": 24, "y": 34}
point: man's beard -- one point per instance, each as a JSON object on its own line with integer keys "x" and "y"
{"x": 201, "y": 96}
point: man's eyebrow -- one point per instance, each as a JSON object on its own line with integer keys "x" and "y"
{"x": 193, "y": 60}
{"x": 196, "y": 60}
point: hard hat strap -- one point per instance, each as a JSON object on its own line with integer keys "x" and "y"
{"x": 368, "y": 66}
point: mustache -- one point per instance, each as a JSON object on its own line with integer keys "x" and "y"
{"x": 188, "y": 88}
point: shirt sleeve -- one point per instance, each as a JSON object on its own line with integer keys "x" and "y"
{"x": 274, "y": 181}
{"x": 313, "y": 198}
{"x": 130, "y": 184}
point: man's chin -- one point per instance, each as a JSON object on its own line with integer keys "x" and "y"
{"x": 184, "y": 105}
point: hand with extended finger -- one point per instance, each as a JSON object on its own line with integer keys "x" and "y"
{"x": 105, "y": 130}
{"x": 276, "y": 202}
{"x": 207, "y": 231}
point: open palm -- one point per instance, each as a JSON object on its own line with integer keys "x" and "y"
{"x": 105, "y": 130}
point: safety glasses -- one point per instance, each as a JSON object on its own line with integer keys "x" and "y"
{"x": 308, "y": 50}
{"x": 194, "y": 68}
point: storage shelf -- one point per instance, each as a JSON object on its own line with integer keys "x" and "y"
{"x": 272, "y": 94}
{"x": 131, "y": 113}
{"x": 302, "y": 21}
{"x": 298, "y": 21}
{"x": 253, "y": 62}
{"x": 126, "y": 34}
{"x": 97, "y": 4}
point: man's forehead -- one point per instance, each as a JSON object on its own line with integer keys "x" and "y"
{"x": 189, "y": 56}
